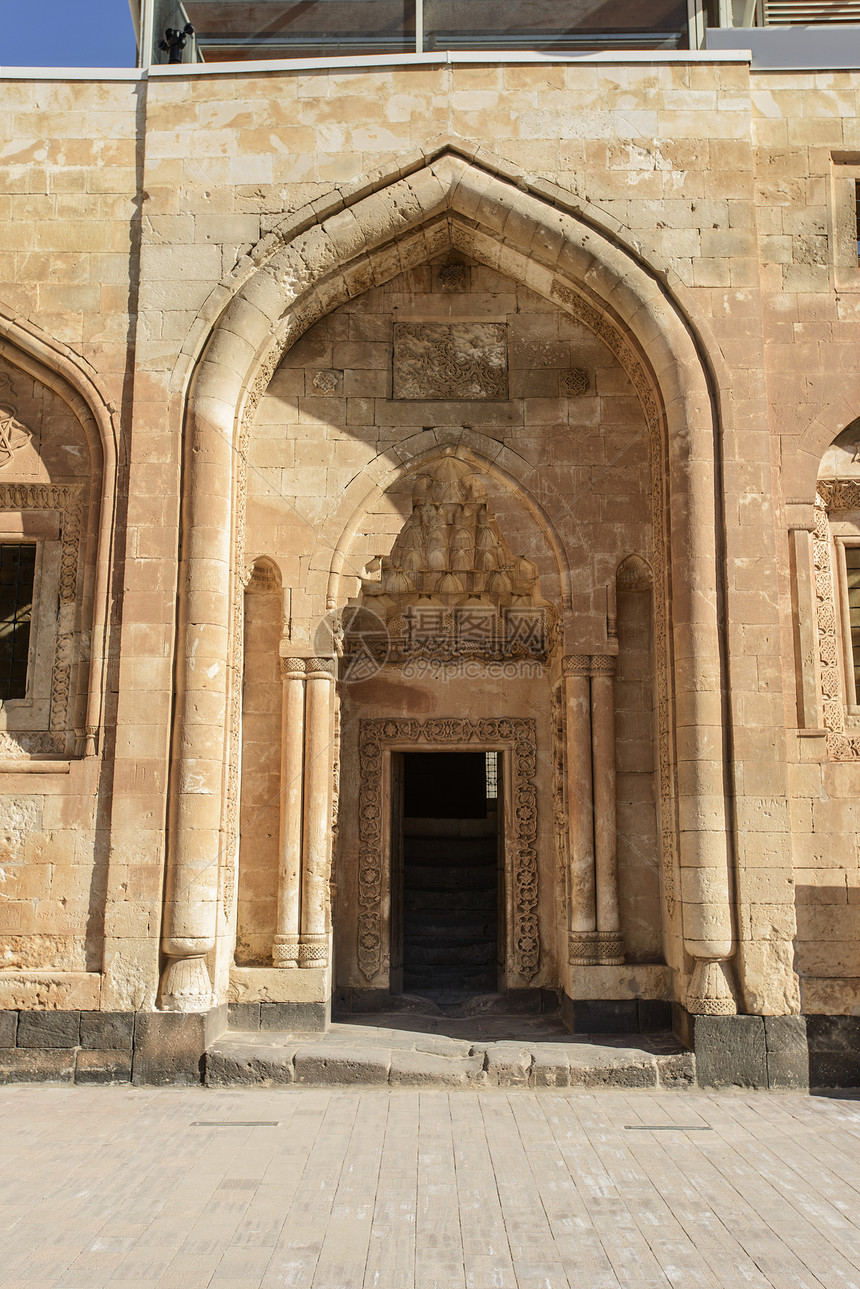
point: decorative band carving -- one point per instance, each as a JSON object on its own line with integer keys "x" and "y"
{"x": 321, "y": 667}
{"x": 603, "y": 664}
{"x": 285, "y": 951}
{"x": 595, "y": 948}
{"x": 522, "y": 874}
{"x": 296, "y": 668}
{"x": 313, "y": 954}
{"x": 588, "y": 664}
{"x": 710, "y": 1006}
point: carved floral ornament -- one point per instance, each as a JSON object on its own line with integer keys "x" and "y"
{"x": 831, "y": 495}
{"x": 519, "y": 736}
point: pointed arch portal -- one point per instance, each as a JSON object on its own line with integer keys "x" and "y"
{"x": 451, "y": 202}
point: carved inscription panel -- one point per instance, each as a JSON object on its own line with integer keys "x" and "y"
{"x": 435, "y": 360}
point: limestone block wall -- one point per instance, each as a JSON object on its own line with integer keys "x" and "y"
{"x": 128, "y": 214}
{"x": 806, "y": 140}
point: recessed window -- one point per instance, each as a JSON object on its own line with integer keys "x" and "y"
{"x": 17, "y": 574}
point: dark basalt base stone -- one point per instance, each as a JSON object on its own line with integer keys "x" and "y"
{"x": 749, "y": 1051}
{"x": 169, "y": 1046}
{"x": 834, "y": 1051}
{"x": 615, "y": 1016}
{"x": 782, "y": 1053}
{"x": 294, "y": 1018}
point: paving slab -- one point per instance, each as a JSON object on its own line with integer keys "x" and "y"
{"x": 392, "y": 1188}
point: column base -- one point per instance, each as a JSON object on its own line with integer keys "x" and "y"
{"x": 313, "y": 951}
{"x": 595, "y": 949}
{"x": 710, "y": 991}
{"x": 285, "y": 951}
{"x": 185, "y": 985}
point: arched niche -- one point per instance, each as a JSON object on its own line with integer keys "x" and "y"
{"x": 260, "y": 767}
{"x": 450, "y": 203}
{"x": 638, "y": 786}
{"x": 57, "y": 498}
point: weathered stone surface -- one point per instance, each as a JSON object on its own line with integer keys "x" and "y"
{"x": 324, "y": 1066}
{"x": 169, "y": 1046}
{"x": 248, "y": 1065}
{"x": 49, "y": 990}
{"x": 107, "y": 1066}
{"x": 298, "y": 1017}
{"x": 550, "y": 1069}
{"x": 677, "y": 1070}
{"x": 37, "y": 1065}
{"x": 834, "y": 1051}
{"x": 107, "y": 1030}
{"x": 422, "y": 1069}
{"x": 8, "y": 1028}
{"x": 787, "y": 1052}
{"x": 243, "y": 1015}
{"x": 508, "y": 1065}
{"x": 49, "y": 1029}
{"x": 602, "y": 1067}
{"x": 730, "y": 1051}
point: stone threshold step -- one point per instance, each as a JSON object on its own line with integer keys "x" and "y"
{"x": 404, "y": 1059}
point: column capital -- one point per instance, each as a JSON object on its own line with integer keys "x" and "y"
{"x": 603, "y": 664}
{"x": 588, "y": 664}
{"x": 576, "y": 664}
{"x": 298, "y": 668}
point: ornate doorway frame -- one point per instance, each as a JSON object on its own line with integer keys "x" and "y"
{"x": 516, "y": 736}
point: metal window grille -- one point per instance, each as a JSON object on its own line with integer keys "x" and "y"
{"x": 492, "y": 773}
{"x": 17, "y": 573}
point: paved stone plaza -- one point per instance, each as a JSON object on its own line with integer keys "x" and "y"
{"x": 436, "y": 1190}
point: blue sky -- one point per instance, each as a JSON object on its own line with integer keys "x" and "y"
{"x": 66, "y": 33}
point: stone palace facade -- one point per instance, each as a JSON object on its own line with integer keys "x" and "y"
{"x": 490, "y": 408}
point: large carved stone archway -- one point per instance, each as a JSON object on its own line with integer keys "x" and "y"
{"x": 450, "y": 202}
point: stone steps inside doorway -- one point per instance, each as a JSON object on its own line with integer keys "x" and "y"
{"x": 450, "y": 929}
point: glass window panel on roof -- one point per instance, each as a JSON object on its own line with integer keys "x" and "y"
{"x": 213, "y": 31}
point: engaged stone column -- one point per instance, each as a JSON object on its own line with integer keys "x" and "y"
{"x": 285, "y": 949}
{"x": 194, "y": 841}
{"x": 594, "y": 937}
{"x": 582, "y": 912}
{"x": 313, "y": 949}
{"x": 609, "y": 947}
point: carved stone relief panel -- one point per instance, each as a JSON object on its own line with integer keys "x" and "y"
{"x": 515, "y": 735}
{"x": 832, "y": 496}
{"x": 436, "y": 360}
{"x": 41, "y": 723}
{"x": 450, "y": 587}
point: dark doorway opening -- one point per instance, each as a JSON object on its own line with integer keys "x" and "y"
{"x": 451, "y": 891}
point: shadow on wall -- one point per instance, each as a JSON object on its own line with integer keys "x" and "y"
{"x": 827, "y": 961}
